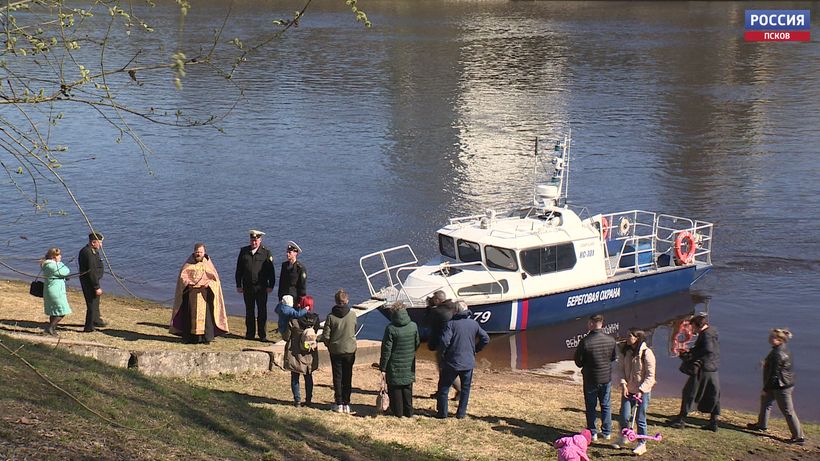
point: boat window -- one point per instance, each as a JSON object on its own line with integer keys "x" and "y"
{"x": 490, "y": 288}
{"x": 545, "y": 260}
{"x": 469, "y": 251}
{"x": 500, "y": 258}
{"x": 447, "y": 246}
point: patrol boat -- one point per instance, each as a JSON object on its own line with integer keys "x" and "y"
{"x": 544, "y": 263}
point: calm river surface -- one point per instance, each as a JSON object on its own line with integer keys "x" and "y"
{"x": 352, "y": 140}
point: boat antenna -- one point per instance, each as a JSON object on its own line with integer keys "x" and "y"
{"x": 535, "y": 174}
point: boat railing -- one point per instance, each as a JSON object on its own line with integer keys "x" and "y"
{"x": 670, "y": 227}
{"x": 486, "y": 285}
{"x": 386, "y": 267}
{"x": 644, "y": 236}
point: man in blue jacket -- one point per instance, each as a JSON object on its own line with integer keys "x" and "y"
{"x": 458, "y": 348}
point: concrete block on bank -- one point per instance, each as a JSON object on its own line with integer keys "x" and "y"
{"x": 367, "y": 352}
{"x": 181, "y": 364}
{"x": 110, "y": 356}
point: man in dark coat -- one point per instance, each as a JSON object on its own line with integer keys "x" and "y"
{"x": 255, "y": 277}
{"x": 293, "y": 275}
{"x": 458, "y": 349}
{"x": 440, "y": 310}
{"x": 398, "y": 360}
{"x": 91, "y": 271}
{"x": 702, "y": 388}
{"x": 594, "y": 355}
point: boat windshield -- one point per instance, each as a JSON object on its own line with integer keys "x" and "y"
{"x": 501, "y": 258}
{"x": 447, "y": 246}
{"x": 468, "y": 251}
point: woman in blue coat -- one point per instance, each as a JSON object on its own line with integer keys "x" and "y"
{"x": 55, "y": 302}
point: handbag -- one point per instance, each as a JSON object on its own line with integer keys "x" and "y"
{"x": 690, "y": 367}
{"x": 36, "y": 289}
{"x": 383, "y": 399}
{"x": 37, "y": 286}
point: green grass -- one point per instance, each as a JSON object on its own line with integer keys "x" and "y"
{"x": 514, "y": 416}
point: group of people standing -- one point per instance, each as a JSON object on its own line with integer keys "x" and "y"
{"x": 634, "y": 367}
{"x": 199, "y": 315}
{"x": 55, "y": 273}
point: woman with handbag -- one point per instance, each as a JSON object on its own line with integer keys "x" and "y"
{"x": 398, "y": 360}
{"x": 55, "y": 302}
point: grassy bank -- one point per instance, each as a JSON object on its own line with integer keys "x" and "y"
{"x": 514, "y": 415}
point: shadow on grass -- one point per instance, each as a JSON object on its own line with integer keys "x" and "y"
{"x": 127, "y": 335}
{"x": 168, "y": 412}
{"x": 521, "y": 428}
{"x": 16, "y": 326}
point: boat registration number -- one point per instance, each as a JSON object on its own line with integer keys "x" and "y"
{"x": 482, "y": 317}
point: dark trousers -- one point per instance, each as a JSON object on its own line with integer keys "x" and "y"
{"x": 294, "y": 386}
{"x": 92, "y": 306}
{"x": 342, "y": 367}
{"x": 446, "y": 379}
{"x": 256, "y": 311}
{"x": 401, "y": 400}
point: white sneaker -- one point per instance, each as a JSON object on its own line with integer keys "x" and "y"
{"x": 595, "y": 437}
{"x": 346, "y": 409}
{"x": 337, "y": 408}
{"x": 608, "y": 437}
{"x": 640, "y": 449}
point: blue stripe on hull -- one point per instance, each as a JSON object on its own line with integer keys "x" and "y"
{"x": 545, "y": 310}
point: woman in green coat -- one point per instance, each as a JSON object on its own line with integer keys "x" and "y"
{"x": 55, "y": 302}
{"x": 398, "y": 360}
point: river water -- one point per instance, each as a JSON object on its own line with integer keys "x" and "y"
{"x": 351, "y": 140}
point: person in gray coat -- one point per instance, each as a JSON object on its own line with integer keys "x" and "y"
{"x": 398, "y": 360}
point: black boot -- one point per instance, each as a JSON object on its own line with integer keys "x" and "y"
{"x": 713, "y": 424}
{"x": 678, "y": 422}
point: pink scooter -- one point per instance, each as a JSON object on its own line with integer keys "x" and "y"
{"x": 628, "y": 433}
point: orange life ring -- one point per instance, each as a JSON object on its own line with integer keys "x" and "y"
{"x": 681, "y": 337}
{"x": 604, "y": 227}
{"x": 684, "y": 258}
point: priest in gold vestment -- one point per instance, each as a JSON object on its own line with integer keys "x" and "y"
{"x": 199, "y": 308}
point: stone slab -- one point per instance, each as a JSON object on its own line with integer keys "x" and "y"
{"x": 367, "y": 353}
{"x": 182, "y": 364}
{"x": 111, "y": 356}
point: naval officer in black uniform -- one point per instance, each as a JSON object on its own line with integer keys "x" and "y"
{"x": 91, "y": 271}
{"x": 255, "y": 276}
{"x": 293, "y": 276}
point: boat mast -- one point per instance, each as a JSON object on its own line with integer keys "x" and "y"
{"x": 554, "y": 191}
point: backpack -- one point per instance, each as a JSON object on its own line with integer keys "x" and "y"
{"x": 307, "y": 340}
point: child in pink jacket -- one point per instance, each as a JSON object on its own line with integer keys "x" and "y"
{"x": 574, "y": 448}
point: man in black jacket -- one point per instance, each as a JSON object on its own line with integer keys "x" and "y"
{"x": 255, "y": 277}
{"x": 91, "y": 271}
{"x": 293, "y": 275}
{"x": 594, "y": 355}
{"x": 702, "y": 388}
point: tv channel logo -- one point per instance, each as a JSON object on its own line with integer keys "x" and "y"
{"x": 778, "y": 26}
